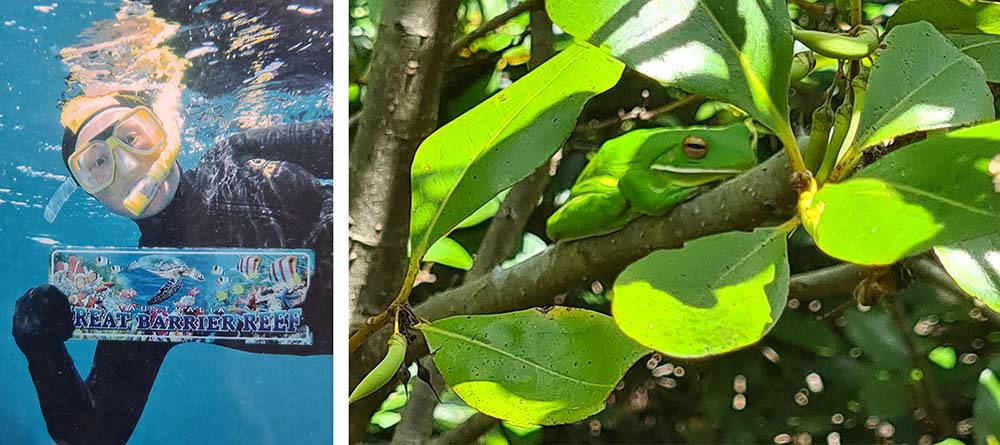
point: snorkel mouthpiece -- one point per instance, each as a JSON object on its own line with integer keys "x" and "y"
{"x": 138, "y": 199}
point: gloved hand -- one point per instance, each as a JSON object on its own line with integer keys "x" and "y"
{"x": 42, "y": 318}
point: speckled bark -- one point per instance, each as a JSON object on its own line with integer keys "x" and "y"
{"x": 401, "y": 109}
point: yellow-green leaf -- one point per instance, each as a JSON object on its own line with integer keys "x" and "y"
{"x": 470, "y": 160}
{"x": 537, "y": 366}
{"x": 715, "y": 295}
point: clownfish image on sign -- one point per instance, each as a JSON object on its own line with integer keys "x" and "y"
{"x": 285, "y": 271}
{"x": 248, "y": 266}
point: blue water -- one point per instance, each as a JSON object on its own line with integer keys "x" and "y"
{"x": 205, "y": 393}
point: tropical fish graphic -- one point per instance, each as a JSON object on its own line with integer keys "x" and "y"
{"x": 217, "y": 270}
{"x": 222, "y": 280}
{"x": 284, "y": 270}
{"x": 72, "y": 271}
{"x": 248, "y": 266}
{"x": 102, "y": 261}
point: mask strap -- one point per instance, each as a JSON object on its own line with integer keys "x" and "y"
{"x": 59, "y": 198}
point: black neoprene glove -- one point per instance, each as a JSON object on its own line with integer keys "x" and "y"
{"x": 42, "y": 318}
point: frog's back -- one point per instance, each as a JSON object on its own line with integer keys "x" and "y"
{"x": 635, "y": 149}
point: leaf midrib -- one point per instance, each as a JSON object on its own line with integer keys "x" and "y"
{"x": 890, "y": 112}
{"x": 951, "y": 202}
{"x": 977, "y": 45}
{"x": 746, "y": 257}
{"x": 492, "y": 348}
{"x": 753, "y": 82}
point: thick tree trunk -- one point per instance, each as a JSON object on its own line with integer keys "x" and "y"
{"x": 401, "y": 109}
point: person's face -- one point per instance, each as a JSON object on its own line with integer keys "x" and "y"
{"x": 129, "y": 167}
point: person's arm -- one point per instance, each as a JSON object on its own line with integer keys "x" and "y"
{"x": 308, "y": 144}
{"x": 106, "y": 407}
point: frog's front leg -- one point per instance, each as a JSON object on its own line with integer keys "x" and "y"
{"x": 652, "y": 193}
{"x": 589, "y": 214}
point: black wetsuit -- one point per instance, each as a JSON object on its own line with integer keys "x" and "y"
{"x": 259, "y": 188}
{"x": 292, "y": 39}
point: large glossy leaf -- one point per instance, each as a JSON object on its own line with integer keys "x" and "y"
{"x": 920, "y": 81}
{"x": 938, "y": 191}
{"x": 984, "y": 48}
{"x": 738, "y": 51}
{"x": 975, "y": 266}
{"x": 714, "y": 295}
{"x": 534, "y": 366}
{"x": 955, "y": 16}
{"x": 467, "y": 162}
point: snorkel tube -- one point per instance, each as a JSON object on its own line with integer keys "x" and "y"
{"x": 138, "y": 199}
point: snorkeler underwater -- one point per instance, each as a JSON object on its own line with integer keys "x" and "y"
{"x": 166, "y": 189}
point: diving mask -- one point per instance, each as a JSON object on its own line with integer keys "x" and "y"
{"x": 139, "y": 132}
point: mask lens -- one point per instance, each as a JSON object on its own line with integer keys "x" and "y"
{"x": 140, "y": 132}
{"x": 94, "y": 167}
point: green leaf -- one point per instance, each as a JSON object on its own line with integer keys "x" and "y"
{"x": 808, "y": 333}
{"x": 943, "y": 356}
{"x": 531, "y": 245}
{"x": 467, "y": 162}
{"x": 955, "y": 16}
{"x": 375, "y": 11}
{"x": 986, "y": 408}
{"x": 975, "y": 266}
{"x": 533, "y": 366}
{"x": 876, "y": 335}
{"x": 714, "y": 295}
{"x": 738, "y": 51}
{"x": 985, "y": 49}
{"x": 950, "y": 441}
{"x": 450, "y": 253}
{"x": 938, "y": 191}
{"x": 485, "y": 212}
{"x": 920, "y": 81}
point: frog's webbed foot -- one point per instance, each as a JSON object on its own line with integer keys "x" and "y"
{"x": 589, "y": 214}
{"x": 651, "y": 193}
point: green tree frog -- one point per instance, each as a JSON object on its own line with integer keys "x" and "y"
{"x": 648, "y": 172}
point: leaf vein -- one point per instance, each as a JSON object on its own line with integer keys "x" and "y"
{"x": 746, "y": 257}
{"x": 951, "y": 202}
{"x": 490, "y": 347}
{"x": 889, "y": 113}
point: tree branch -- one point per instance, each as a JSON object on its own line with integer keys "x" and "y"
{"x": 468, "y": 432}
{"x": 504, "y": 232}
{"x": 493, "y": 24}
{"x": 400, "y": 111}
{"x": 639, "y": 113}
{"x": 759, "y": 195}
{"x": 417, "y": 421}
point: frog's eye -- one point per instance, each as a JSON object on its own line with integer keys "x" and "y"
{"x": 695, "y": 147}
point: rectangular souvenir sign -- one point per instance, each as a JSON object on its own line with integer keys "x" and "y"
{"x": 141, "y": 294}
